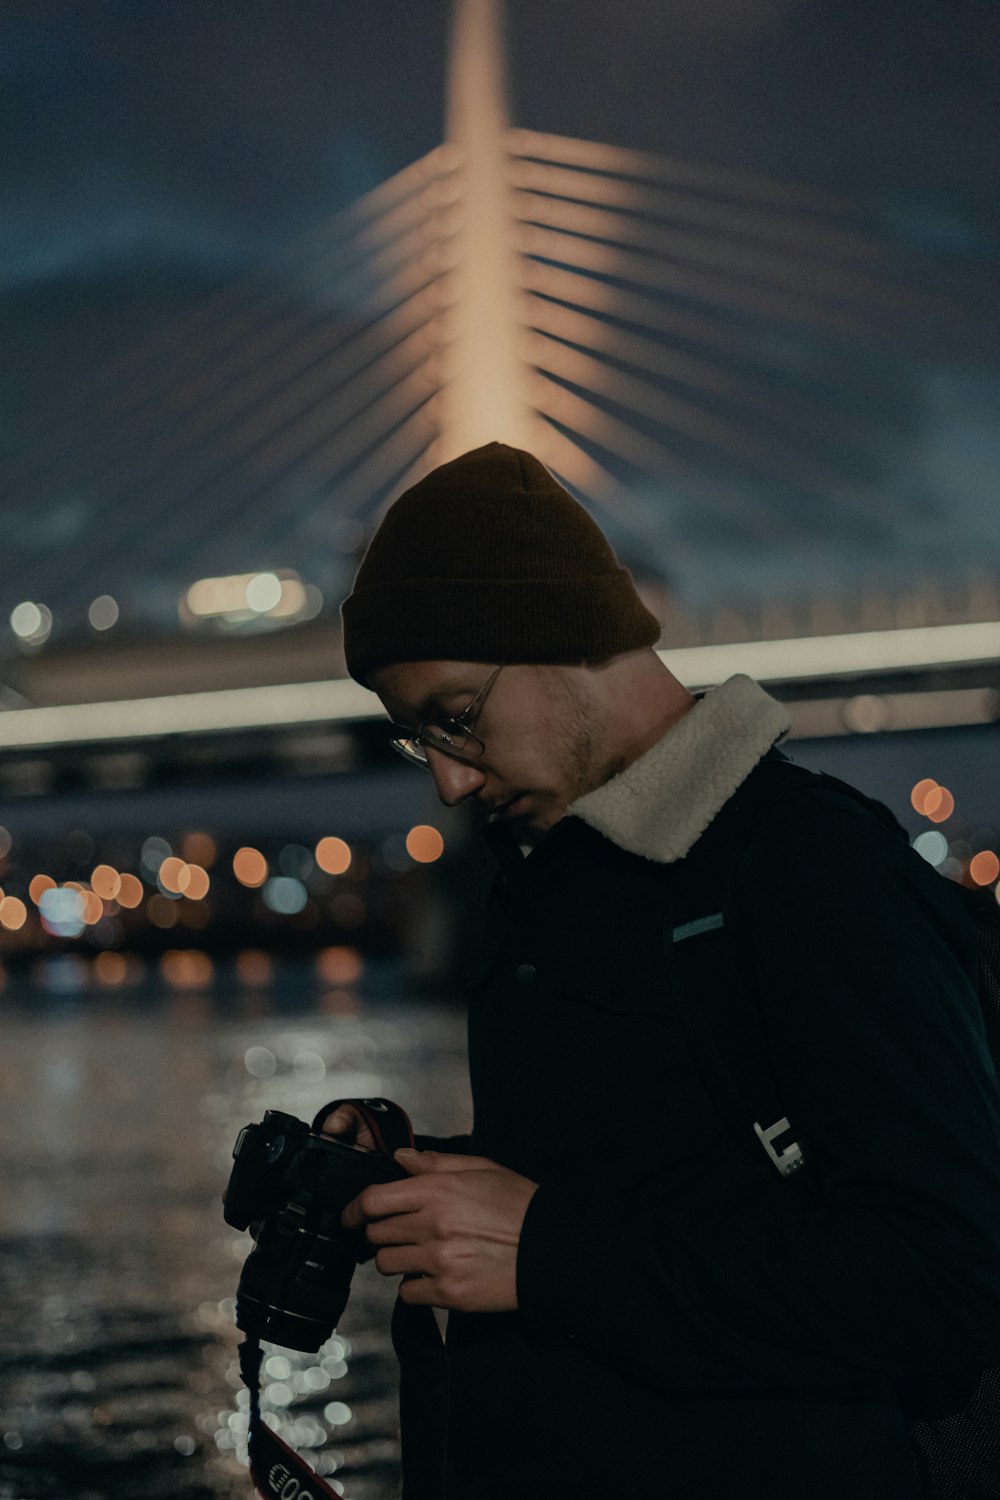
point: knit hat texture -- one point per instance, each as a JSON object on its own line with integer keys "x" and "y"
{"x": 489, "y": 559}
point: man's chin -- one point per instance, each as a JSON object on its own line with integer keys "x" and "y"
{"x": 520, "y": 810}
{"x": 528, "y": 813}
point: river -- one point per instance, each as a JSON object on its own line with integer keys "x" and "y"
{"x": 118, "y": 1114}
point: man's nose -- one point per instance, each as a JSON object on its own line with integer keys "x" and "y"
{"x": 454, "y": 780}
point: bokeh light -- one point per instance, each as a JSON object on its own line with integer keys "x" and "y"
{"x": 199, "y": 849}
{"x": 339, "y": 965}
{"x": 173, "y": 876}
{"x": 263, "y": 592}
{"x": 284, "y": 895}
{"x": 13, "y": 913}
{"x": 921, "y": 792}
{"x": 129, "y": 892}
{"x": 424, "y": 844}
{"x": 984, "y": 867}
{"x": 250, "y": 867}
{"x": 103, "y": 612}
{"x": 111, "y": 968}
{"x": 939, "y": 805}
{"x": 61, "y": 911}
{"x": 31, "y": 623}
{"x": 333, "y": 856}
{"x": 154, "y": 852}
{"x": 348, "y": 910}
{"x": 40, "y": 883}
{"x": 106, "y": 882}
{"x": 198, "y": 883}
{"x": 5, "y": 842}
{"x": 93, "y": 908}
{"x": 932, "y": 846}
{"x": 297, "y": 861}
{"x": 162, "y": 912}
{"x": 254, "y": 968}
{"x": 186, "y": 968}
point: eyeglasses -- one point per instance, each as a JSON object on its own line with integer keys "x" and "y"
{"x": 452, "y": 736}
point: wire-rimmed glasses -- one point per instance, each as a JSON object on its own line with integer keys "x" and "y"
{"x": 451, "y": 735}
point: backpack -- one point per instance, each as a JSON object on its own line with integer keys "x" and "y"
{"x": 954, "y": 1425}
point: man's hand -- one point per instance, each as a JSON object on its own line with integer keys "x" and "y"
{"x": 451, "y": 1230}
{"x": 347, "y": 1124}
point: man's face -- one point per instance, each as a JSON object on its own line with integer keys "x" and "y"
{"x": 536, "y": 723}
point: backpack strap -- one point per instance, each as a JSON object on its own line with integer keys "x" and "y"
{"x": 715, "y": 998}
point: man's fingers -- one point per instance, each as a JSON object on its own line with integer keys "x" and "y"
{"x": 420, "y": 1291}
{"x": 419, "y": 1162}
{"x": 400, "y": 1229}
{"x": 340, "y": 1120}
{"x": 382, "y": 1201}
{"x": 401, "y": 1260}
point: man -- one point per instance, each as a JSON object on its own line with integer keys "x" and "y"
{"x": 635, "y": 1306}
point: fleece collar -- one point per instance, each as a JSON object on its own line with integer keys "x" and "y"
{"x": 663, "y": 802}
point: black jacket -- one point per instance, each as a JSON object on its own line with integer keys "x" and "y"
{"x": 690, "y": 1324}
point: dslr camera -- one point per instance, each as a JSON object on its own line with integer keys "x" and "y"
{"x": 289, "y": 1186}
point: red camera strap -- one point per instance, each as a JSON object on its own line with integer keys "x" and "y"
{"x": 276, "y": 1469}
{"x": 389, "y": 1124}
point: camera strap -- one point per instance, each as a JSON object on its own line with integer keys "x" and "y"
{"x": 390, "y": 1126}
{"x": 276, "y": 1469}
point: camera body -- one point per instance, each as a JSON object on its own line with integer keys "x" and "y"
{"x": 289, "y": 1186}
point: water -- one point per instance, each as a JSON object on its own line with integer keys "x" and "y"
{"x": 117, "y": 1118}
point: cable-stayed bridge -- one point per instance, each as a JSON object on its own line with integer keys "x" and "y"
{"x": 681, "y": 344}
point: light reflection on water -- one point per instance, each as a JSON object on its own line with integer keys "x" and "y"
{"x": 117, "y": 1119}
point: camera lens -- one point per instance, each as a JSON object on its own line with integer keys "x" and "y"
{"x": 292, "y": 1187}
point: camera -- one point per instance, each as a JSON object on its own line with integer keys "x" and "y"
{"x": 288, "y": 1186}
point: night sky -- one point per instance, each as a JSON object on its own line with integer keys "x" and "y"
{"x": 155, "y": 152}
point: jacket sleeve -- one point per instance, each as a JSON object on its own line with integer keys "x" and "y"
{"x": 891, "y": 1265}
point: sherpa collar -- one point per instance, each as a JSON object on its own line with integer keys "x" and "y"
{"x": 663, "y": 802}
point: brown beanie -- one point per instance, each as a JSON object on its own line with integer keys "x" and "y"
{"x": 489, "y": 559}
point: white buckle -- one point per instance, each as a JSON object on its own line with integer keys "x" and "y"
{"x": 790, "y": 1158}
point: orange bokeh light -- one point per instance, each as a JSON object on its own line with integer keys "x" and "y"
{"x": 939, "y": 805}
{"x": 13, "y": 913}
{"x": 174, "y": 875}
{"x": 199, "y": 849}
{"x": 921, "y": 792}
{"x": 106, "y": 882}
{"x": 333, "y": 856}
{"x": 198, "y": 883}
{"x": 39, "y": 885}
{"x": 985, "y": 867}
{"x": 186, "y": 968}
{"x": 93, "y": 908}
{"x": 250, "y": 867}
{"x": 162, "y": 912}
{"x": 111, "y": 968}
{"x": 254, "y": 967}
{"x": 424, "y": 844}
{"x": 339, "y": 965}
{"x": 129, "y": 892}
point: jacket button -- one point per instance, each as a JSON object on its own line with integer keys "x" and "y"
{"x": 524, "y": 973}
